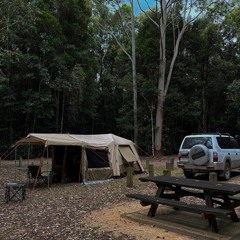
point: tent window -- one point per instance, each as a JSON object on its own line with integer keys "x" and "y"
{"x": 127, "y": 153}
{"x": 97, "y": 158}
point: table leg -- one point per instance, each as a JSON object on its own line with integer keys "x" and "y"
{"x": 208, "y": 199}
{"x": 211, "y": 219}
{"x": 153, "y": 208}
{"x": 228, "y": 205}
{"x": 7, "y": 194}
{"x": 213, "y": 224}
{"x": 178, "y": 190}
{"x": 23, "y": 193}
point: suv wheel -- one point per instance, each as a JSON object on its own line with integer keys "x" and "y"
{"x": 227, "y": 171}
{"x": 188, "y": 174}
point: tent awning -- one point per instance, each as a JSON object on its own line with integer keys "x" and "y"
{"x": 48, "y": 139}
{"x": 127, "y": 154}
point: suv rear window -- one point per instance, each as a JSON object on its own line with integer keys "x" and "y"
{"x": 191, "y": 141}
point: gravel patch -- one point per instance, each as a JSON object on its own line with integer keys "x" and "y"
{"x": 58, "y": 212}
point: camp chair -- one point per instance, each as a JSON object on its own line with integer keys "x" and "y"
{"x": 35, "y": 175}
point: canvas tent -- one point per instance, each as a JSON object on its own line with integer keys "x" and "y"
{"x": 82, "y": 158}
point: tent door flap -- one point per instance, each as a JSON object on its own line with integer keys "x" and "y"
{"x": 127, "y": 154}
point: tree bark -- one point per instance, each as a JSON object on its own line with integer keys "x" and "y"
{"x": 161, "y": 80}
{"x": 57, "y": 109}
{"x": 204, "y": 102}
{"x": 159, "y": 110}
{"x": 135, "y": 117}
{"x": 62, "y": 116}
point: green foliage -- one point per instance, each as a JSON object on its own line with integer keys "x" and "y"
{"x": 61, "y": 72}
{"x": 147, "y": 49}
{"x": 233, "y": 108}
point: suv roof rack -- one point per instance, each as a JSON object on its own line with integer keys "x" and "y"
{"x": 212, "y": 133}
{"x": 226, "y": 134}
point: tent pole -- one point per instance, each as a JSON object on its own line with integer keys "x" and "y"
{"x": 64, "y": 166}
{"x": 28, "y": 182}
{"x": 42, "y": 158}
{"x": 28, "y": 152}
{"x": 83, "y": 163}
{"x": 48, "y": 167}
{"x": 79, "y": 175}
{"x": 15, "y": 164}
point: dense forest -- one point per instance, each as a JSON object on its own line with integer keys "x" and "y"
{"x": 96, "y": 66}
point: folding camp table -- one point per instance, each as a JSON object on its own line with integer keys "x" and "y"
{"x": 15, "y": 191}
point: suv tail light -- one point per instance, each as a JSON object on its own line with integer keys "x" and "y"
{"x": 183, "y": 154}
{"x": 215, "y": 157}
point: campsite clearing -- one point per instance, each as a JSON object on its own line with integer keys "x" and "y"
{"x": 76, "y": 211}
{"x": 113, "y": 219}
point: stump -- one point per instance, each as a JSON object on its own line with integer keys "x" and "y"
{"x": 129, "y": 177}
{"x": 213, "y": 177}
{"x": 151, "y": 170}
{"x": 166, "y": 172}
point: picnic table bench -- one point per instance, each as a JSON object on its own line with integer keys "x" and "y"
{"x": 219, "y": 198}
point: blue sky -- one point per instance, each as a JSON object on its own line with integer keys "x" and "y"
{"x": 143, "y": 4}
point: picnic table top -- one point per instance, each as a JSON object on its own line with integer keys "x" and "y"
{"x": 224, "y": 188}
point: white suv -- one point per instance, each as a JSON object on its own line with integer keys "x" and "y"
{"x": 209, "y": 152}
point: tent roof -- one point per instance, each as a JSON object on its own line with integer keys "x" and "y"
{"x": 73, "y": 139}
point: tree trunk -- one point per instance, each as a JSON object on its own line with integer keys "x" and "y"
{"x": 161, "y": 80}
{"x": 135, "y": 117}
{"x": 204, "y": 101}
{"x": 162, "y": 83}
{"x": 159, "y": 110}
{"x": 152, "y": 127}
{"x": 34, "y": 121}
{"x": 57, "y": 110}
{"x": 62, "y": 115}
{"x": 166, "y": 9}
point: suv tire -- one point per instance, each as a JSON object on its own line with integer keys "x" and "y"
{"x": 199, "y": 155}
{"x": 226, "y": 174}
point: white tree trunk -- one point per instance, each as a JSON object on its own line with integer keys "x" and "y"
{"x": 135, "y": 117}
{"x": 161, "y": 80}
{"x": 129, "y": 28}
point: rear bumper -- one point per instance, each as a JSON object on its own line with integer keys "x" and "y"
{"x": 205, "y": 168}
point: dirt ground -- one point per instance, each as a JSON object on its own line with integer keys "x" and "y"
{"x": 75, "y": 211}
{"x": 113, "y": 219}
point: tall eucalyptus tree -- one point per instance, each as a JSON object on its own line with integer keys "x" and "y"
{"x": 124, "y": 29}
{"x": 179, "y": 15}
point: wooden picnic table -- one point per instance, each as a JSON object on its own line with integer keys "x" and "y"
{"x": 219, "y": 198}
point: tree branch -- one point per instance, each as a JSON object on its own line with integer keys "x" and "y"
{"x": 123, "y": 20}
{"x": 147, "y": 15}
{"x": 114, "y": 36}
{"x": 121, "y": 46}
